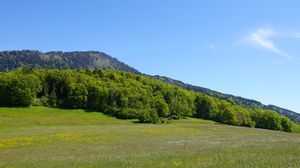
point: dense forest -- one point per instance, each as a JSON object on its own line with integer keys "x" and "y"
{"x": 10, "y": 60}
{"x": 231, "y": 98}
{"x": 127, "y": 95}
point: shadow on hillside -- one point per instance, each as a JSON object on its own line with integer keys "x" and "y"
{"x": 110, "y": 115}
{"x": 217, "y": 123}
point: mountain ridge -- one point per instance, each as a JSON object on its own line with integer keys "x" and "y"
{"x": 61, "y": 60}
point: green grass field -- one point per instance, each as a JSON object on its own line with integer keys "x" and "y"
{"x": 48, "y": 137}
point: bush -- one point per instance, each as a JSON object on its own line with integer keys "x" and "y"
{"x": 149, "y": 116}
{"x": 126, "y": 113}
{"x": 43, "y": 101}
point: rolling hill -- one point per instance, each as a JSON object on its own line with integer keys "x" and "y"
{"x": 231, "y": 98}
{"x": 10, "y": 60}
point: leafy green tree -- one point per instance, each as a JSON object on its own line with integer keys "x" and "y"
{"x": 127, "y": 95}
{"x": 149, "y": 116}
{"x": 52, "y": 99}
{"x": 77, "y": 96}
{"x": 18, "y": 89}
{"x": 206, "y": 107}
{"x": 26, "y": 69}
{"x": 287, "y": 125}
{"x": 227, "y": 115}
{"x": 97, "y": 97}
{"x": 267, "y": 119}
{"x": 161, "y": 107}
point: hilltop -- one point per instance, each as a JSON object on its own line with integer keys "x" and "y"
{"x": 10, "y": 60}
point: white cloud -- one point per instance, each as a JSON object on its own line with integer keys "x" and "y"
{"x": 296, "y": 35}
{"x": 211, "y": 46}
{"x": 262, "y": 37}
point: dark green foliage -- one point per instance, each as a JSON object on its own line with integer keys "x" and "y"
{"x": 18, "y": 89}
{"x": 26, "y": 69}
{"x": 77, "y": 95}
{"x": 97, "y": 97}
{"x": 287, "y": 113}
{"x": 227, "y": 115}
{"x": 128, "y": 96}
{"x": 269, "y": 120}
{"x": 28, "y": 59}
{"x": 161, "y": 107}
{"x": 206, "y": 107}
{"x": 210, "y": 108}
{"x": 149, "y": 116}
{"x": 52, "y": 102}
{"x": 287, "y": 125}
{"x": 125, "y": 113}
{"x": 60, "y": 60}
{"x": 231, "y": 98}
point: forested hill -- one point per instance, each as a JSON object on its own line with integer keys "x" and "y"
{"x": 10, "y": 60}
{"x": 60, "y": 60}
{"x": 232, "y": 99}
{"x": 127, "y": 95}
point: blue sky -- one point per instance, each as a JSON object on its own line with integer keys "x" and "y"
{"x": 247, "y": 48}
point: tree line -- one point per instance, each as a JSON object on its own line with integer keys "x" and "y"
{"x": 128, "y": 96}
{"x": 240, "y": 101}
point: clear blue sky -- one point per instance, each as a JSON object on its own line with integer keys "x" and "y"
{"x": 247, "y": 48}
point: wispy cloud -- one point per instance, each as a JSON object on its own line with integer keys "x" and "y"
{"x": 262, "y": 37}
{"x": 296, "y": 35}
{"x": 211, "y": 46}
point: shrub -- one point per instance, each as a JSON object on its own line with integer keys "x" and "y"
{"x": 127, "y": 113}
{"x": 149, "y": 116}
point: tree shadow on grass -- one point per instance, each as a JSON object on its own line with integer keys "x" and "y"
{"x": 134, "y": 120}
{"x": 217, "y": 123}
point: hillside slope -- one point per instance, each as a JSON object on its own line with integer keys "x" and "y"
{"x": 127, "y": 95}
{"x": 10, "y": 60}
{"x": 232, "y": 99}
{"x": 51, "y": 137}
{"x": 60, "y": 60}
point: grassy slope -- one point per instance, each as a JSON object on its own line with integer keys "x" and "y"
{"x": 46, "y": 137}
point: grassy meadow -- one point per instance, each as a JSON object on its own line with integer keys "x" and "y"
{"x": 50, "y": 137}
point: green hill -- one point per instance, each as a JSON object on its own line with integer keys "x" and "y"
{"x": 10, "y": 60}
{"x": 50, "y": 137}
{"x": 127, "y": 95}
{"x": 232, "y": 99}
